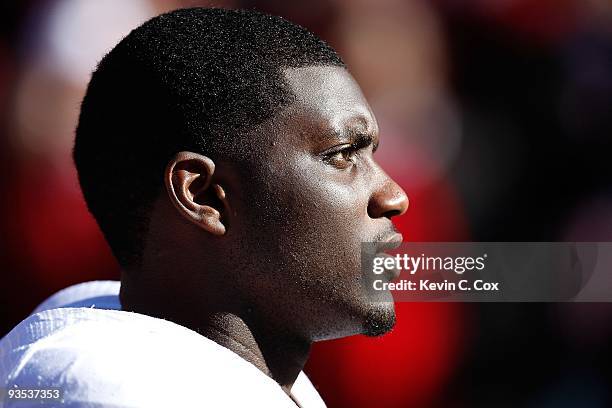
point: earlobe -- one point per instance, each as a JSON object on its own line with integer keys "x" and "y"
{"x": 188, "y": 179}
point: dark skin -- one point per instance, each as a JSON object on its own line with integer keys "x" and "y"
{"x": 262, "y": 255}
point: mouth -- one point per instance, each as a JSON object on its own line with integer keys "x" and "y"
{"x": 391, "y": 242}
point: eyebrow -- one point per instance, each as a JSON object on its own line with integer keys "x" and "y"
{"x": 359, "y": 139}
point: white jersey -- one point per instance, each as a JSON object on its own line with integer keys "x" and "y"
{"x": 79, "y": 343}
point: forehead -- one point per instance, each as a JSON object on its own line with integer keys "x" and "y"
{"x": 329, "y": 100}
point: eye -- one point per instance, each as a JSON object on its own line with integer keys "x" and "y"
{"x": 341, "y": 157}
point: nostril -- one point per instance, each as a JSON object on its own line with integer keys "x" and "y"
{"x": 392, "y": 213}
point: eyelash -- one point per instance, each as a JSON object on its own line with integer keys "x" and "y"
{"x": 341, "y": 157}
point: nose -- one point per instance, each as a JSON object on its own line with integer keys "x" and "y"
{"x": 388, "y": 201}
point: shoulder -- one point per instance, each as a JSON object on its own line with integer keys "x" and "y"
{"x": 117, "y": 358}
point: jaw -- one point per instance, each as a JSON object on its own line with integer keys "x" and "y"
{"x": 372, "y": 318}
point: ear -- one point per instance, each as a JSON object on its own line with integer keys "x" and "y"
{"x": 188, "y": 182}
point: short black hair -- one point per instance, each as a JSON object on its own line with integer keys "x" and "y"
{"x": 193, "y": 79}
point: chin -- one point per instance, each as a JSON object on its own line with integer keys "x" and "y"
{"x": 370, "y": 318}
{"x": 379, "y": 319}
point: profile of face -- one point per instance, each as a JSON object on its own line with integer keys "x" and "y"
{"x": 300, "y": 207}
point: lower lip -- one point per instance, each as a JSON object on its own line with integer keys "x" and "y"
{"x": 396, "y": 271}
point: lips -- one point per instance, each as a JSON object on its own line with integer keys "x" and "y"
{"x": 393, "y": 241}
{"x": 390, "y": 243}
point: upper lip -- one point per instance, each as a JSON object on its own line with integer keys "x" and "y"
{"x": 392, "y": 241}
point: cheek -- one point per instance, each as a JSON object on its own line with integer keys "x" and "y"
{"x": 306, "y": 211}
{"x": 323, "y": 219}
{"x": 323, "y": 201}
{"x": 307, "y": 226}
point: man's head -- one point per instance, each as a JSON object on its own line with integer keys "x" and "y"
{"x": 236, "y": 147}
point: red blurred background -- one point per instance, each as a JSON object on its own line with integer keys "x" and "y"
{"x": 495, "y": 118}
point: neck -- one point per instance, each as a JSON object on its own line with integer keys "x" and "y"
{"x": 276, "y": 352}
{"x": 279, "y": 355}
